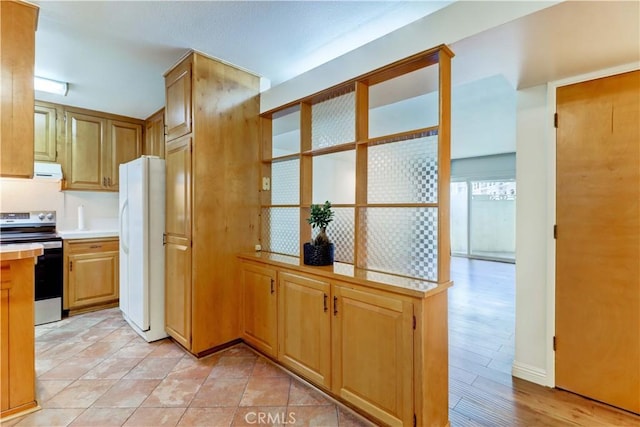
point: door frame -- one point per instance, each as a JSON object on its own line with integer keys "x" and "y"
{"x": 551, "y": 202}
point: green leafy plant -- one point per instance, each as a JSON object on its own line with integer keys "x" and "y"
{"x": 320, "y": 217}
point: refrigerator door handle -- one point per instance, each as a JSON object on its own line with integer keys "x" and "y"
{"x": 124, "y": 240}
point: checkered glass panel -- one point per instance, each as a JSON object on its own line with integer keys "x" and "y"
{"x": 341, "y": 234}
{"x": 404, "y": 171}
{"x": 285, "y": 182}
{"x": 401, "y": 241}
{"x": 281, "y": 230}
{"x": 333, "y": 121}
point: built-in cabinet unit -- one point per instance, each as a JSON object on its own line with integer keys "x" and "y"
{"x": 212, "y": 213}
{"x": 375, "y": 341}
{"x": 17, "y": 336}
{"x": 18, "y": 22}
{"x": 91, "y": 274}
{"x": 154, "y": 135}
{"x": 95, "y": 146}
{"x": 45, "y": 133}
{"x": 372, "y": 328}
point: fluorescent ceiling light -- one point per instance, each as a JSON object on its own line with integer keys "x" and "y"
{"x": 50, "y": 86}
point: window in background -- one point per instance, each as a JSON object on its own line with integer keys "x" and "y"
{"x": 483, "y": 216}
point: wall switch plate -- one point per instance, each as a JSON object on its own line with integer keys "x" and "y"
{"x": 266, "y": 183}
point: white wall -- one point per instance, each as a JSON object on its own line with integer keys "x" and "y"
{"x": 460, "y": 20}
{"x": 100, "y": 208}
{"x": 531, "y": 236}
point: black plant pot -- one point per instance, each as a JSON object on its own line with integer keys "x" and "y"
{"x": 318, "y": 254}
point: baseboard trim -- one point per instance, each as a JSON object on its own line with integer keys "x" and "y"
{"x": 530, "y": 373}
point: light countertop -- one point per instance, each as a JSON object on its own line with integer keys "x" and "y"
{"x": 15, "y": 251}
{"x": 87, "y": 234}
{"x": 347, "y": 272}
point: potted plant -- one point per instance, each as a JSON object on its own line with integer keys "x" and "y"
{"x": 320, "y": 250}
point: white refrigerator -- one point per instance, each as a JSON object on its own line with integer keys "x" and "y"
{"x": 142, "y": 214}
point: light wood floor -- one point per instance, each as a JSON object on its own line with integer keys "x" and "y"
{"x": 481, "y": 345}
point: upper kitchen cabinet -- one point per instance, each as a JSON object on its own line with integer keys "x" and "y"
{"x": 95, "y": 145}
{"x": 178, "y": 98}
{"x": 18, "y": 22}
{"x": 212, "y": 211}
{"x": 45, "y": 136}
{"x": 154, "y": 135}
{"x": 125, "y": 145}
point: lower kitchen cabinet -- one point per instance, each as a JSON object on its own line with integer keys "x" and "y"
{"x": 380, "y": 351}
{"x": 373, "y": 353}
{"x": 304, "y": 327}
{"x": 91, "y": 275}
{"x": 259, "y": 326}
{"x": 17, "y": 341}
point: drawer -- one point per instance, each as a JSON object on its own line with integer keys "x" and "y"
{"x": 92, "y": 245}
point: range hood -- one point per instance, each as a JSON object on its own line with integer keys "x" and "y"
{"x": 49, "y": 171}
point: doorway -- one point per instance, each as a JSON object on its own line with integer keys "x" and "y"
{"x": 598, "y": 240}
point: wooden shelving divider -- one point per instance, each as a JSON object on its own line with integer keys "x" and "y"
{"x": 440, "y": 57}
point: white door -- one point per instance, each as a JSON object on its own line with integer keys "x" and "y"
{"x": 138, "y": 233}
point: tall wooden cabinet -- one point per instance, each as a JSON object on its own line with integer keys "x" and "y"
{"x": 17, "y": 58}
{"x": 212, "y": 210}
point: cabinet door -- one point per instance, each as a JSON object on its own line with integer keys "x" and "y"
{"x": 84, "y": 140}
{"x": 178, "y": 98}
{"x": 93, "y": 279}
{"x": 259, "y": 299}
{"x": 154, "y": 135}
{"x": 178, "y": 290}
{"x": 17, "y": 32}
{"x": 178, "y": 185}
{"x": 125, "y": 144}
{"x": 305, "y": 327}
{"x": 44, "y": 136}
{"x": 368, "y": 373}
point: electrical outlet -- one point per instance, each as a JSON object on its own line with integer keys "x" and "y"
{"x": 266, "y": 183}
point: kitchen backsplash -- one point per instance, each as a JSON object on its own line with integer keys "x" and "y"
{"x": 100, "y": 208}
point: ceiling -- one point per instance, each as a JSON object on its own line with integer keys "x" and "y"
{"x": 114, "y": 54}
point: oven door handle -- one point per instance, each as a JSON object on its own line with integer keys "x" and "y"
{"x": 124, "y": 240}
{"x": 51, "y": 245}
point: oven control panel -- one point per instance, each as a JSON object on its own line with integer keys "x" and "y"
{"x": 26, "y": 218}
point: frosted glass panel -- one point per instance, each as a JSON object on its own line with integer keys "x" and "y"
{"x": 341, "y": 234}
{"x": 281, "y": 230}
{"x": 405, "y": 103}
{"x": 333, "y": 121}
{"x": 404, "y": 171}
{"x": 334, "y": 178}
{"x": 286, "y": 133}
{"x": 400, "y": 240}
{"x": 285, "y": 182}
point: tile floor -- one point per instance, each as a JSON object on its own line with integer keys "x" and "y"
{"x": 93, "y": 370}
